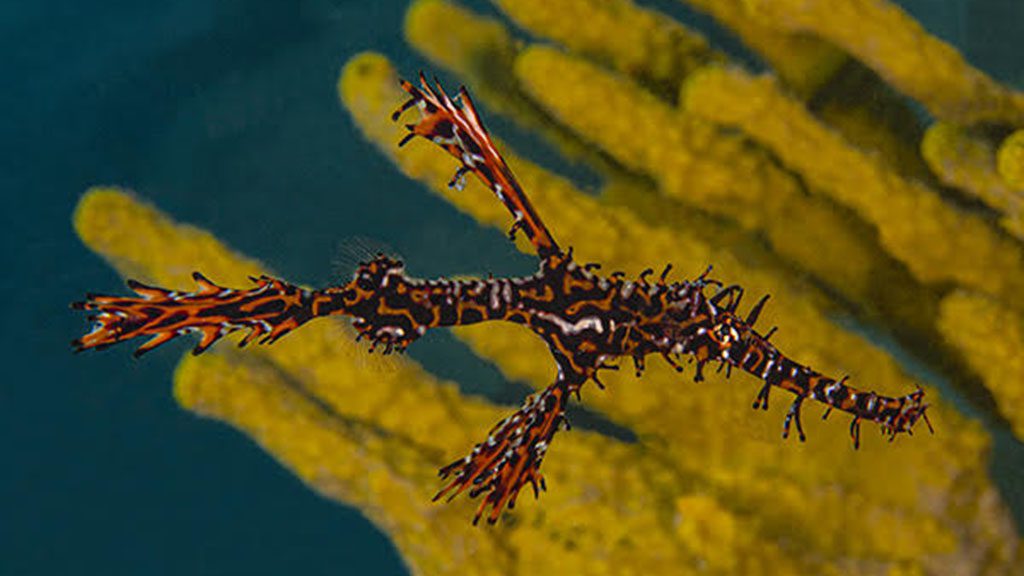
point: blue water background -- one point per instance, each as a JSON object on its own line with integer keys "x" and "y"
{"x": 223, "y": 114}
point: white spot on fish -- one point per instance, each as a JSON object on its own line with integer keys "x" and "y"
{"x": 566, "y": 327}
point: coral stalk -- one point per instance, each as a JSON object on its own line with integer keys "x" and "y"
{"x": 903, "y": 53}
{"x": 937, "y": 242}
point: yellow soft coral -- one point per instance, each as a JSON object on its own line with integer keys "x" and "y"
{"x": 968, "y": 162}
{"x": 918, "y": 64}
{"x": 992, "y": 342}
{"x": 642, "y": 43}
{"x": 804, "y": 62}
{"x": 1010, "y": 160}
{"x": 713, "y": 449}
{"x": 935, "y": 240}
{"x": 482, "y": 45}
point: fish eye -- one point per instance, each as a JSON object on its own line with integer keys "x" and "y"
{"x": 365, "y": 281}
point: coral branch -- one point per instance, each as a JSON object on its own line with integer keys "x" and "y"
{"x": 991, "y": 340}
{"x": 804, "y": 62}
{"x": 968, "y": 162}
{"x": 903, "y": 53}
{"x": 1010, "y": 160}
{"x": 643, "y": 43}
{"x": 937, "y": 242}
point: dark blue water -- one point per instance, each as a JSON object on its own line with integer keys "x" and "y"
{"x": 223, "y": 114}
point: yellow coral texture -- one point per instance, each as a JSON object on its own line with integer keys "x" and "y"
{"x": 699, "y": 162}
